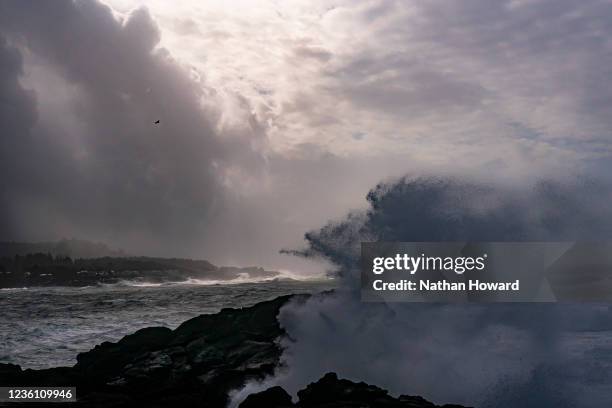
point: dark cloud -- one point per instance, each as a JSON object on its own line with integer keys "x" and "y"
{"x": 17, "y": 112}
{"x": 116, "y": 175}
{"x": 503, "y": 88}
{"x": 84, "y": 158}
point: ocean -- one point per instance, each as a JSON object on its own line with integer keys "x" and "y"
{"x": 46, "y": 327}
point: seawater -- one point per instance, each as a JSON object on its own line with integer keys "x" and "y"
{"x": 48, "y": 326}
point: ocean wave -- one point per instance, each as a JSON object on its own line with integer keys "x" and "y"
{"x": 44, "y": 327}
{"x": 236, "y": 281}
{"x": 242, "y": 278}
{"x": 141, "y": 284}
{"x": 189, "y": 281}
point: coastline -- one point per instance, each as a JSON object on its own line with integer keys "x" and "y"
{"x": 198, "y": 364}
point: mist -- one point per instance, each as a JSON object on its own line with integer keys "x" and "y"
{"x": 494, "y": 355}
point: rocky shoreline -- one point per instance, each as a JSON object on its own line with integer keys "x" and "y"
{"x": 332, "y": 392}
{"x": 198, "y": 364}
{"x": 34, "y": 270}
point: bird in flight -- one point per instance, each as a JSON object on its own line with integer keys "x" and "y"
{"x": 156, "y": 122}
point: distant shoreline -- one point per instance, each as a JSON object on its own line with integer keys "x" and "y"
{"x": 39, "y": 269}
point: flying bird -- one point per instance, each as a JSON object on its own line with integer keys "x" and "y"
{"x": 156, "y": 122}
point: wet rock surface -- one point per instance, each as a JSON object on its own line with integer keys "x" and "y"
{"x": 275, "y": 397}
{"x": 332, "y": 392}
{"x": 198, "y": 364}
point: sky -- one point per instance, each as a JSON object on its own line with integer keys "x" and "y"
{"x": 278, "y": 116}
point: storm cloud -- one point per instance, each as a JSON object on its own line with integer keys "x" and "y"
{"x": 82, "y": 156}
{"x": 267, "y": 133}
{"x": 103, "y": 166}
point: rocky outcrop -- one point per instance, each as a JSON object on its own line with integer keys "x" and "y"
{"x": 196, "y": 364}
{"x": 275, "y": 397}
{"x": 331, "y": 392}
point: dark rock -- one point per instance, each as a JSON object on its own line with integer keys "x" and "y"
{"x": 272, "y": 397}
{"x": 331, "y": 389}
{"x": 107, "y": 359}
{"x": 344, "y": 393}
{"x": 196, "y": 364}
{"x": 331, "y": 392}
{"x": 9, "y": 370}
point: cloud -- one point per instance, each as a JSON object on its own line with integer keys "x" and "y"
{"x": 251, "y": 116}
{"x": 84, "y": 158}
{"x": 104, "y": 168}
{"x": 471, "y": 79}
{"x": 19, "y": 109}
